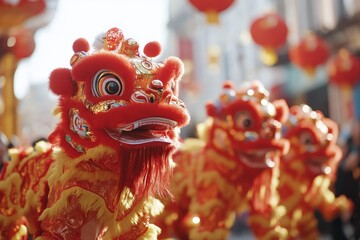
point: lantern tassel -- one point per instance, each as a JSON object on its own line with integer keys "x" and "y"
{"x": 268, "y": 56}
{"x": 310, "y": 72}
{"x": 212, "y": 17}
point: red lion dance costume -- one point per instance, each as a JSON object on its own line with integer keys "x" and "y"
{"x": 110, "y": 152}
{"x": 232, "y": 164}
{"x": 307, "y": 171}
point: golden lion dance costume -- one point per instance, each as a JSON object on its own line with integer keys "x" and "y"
{"x": 232, "y": 164}
{"x": 307, "y": 172}
{"x": 110, "y": 152}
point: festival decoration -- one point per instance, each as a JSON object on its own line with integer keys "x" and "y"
{"x": 270, "y": 32}
{"x": 212, "y": 8}
{"x": 23, "y": 43}
{"x": 344, "y": 72}
{"x": 308, "y": 171}
{"x": 16, "y": 13}
{"x": 344, "y": 69}
{"x": 309, "y": 53}
{"x": 110, "y": 153}
{"x": 232, "y": 165}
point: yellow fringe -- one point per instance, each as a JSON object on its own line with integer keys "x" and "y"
{"x": 92, "y": 202}
{"x": 203, "y": 129}
{"x": 277, "y": 214}
{"x": 151, "y": 233}
{"x": 218, "y": 234}
{"x": 220, "y": 159}
{"x": 192, "y": 145}
{"x": 13, "y": 180}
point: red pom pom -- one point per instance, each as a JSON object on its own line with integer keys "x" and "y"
{"x": 61, "y": 82}
{"x": 210, "y": 109}
{"x": 81, "y": 44}
{"x": 152, "y": 49}
{"x": 173, "y": 69}
{"x": 228, "y": 85}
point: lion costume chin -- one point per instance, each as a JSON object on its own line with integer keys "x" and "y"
{"x": 110, "y": 153}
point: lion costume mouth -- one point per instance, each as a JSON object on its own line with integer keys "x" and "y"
{"x": 259, "y": 158}
{"x": 143, "y": 131}
{"x": 318, "y": 165}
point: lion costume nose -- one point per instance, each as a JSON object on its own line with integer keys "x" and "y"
{"x": 156, "y": 85}
{"x": 271, "y": 129}
{"x": 160, "y": 94}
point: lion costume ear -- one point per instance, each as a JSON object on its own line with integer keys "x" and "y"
{"x": 210, "y": 109}
{"x": 61, "y": 82}
{"x": 333, "y": 128}
{"x": 282, "y": 110}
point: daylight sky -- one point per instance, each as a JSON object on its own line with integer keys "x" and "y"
{"x": 143, "y": 20}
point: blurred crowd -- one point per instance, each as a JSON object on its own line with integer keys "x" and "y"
{"x": 348, "y": 183}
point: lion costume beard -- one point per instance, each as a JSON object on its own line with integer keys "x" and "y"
{"x": 150, "y": 169}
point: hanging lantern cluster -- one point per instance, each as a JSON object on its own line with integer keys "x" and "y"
{"x": 212, "y": 8}
{"x": 270, "y": 32}
{"x": 344, "y": 72}
{"x": 344, "y": 69}
{"x": 310, "y": 53}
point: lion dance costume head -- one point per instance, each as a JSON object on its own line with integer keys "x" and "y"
{"x": 234, "y": 163}
{"x": 110, "y": 153}
{"x": 313, "y": 139}
{"x": 121, "y": 99}
{"x": 307, "y": 173}
{"x": 248, "y": 125}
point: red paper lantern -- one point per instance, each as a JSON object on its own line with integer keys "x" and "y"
{"x": 270, "y": 32}
{"x": 344, "y": 69}
{"x": 15, "y": 14}
{"x": 24, "y": 44}
{"x": 211, "y": 8}
{"x": 311, "y": 52}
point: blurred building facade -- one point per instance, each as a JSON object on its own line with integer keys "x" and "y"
{"x": 35, "y": 112}
{"x": 214, "y": 53}
{"x": 19, "y": 21}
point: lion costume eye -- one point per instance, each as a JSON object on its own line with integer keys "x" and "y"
{"x": 243, "y": 120}
{"x": 106, "y": 83}
{"x": 306, "y": 138}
